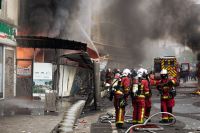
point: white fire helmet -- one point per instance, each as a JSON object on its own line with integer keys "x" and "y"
{"x": 141, "y": 72}
{"x": 163, "y": 72}
{"x": 126, "y": 72}
{"x": 139, "y": 75}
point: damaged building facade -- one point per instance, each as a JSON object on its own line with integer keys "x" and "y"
{"x": 8, "y": 26}
{"x": 45, "y": 64}
{"x": 58, "y": 22}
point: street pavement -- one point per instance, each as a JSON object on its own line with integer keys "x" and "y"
{"x": 19, "y": 115}
{"x": 25, "y": 115}
{"x": 186, "y": 110}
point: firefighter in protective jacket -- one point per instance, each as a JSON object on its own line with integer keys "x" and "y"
{"x": 166, "y": 87}
{"x": 148, "y": 102}
{"x": 121, "y": 91}
{"x": 139, "y": 91}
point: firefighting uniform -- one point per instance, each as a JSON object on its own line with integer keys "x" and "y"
{"x": 138, "y": 101}
{"x": 167, "y": 100}
{"x": 120, "y": 99}
{"x": 148, "y": 102}
{"x": 125, "y": 84}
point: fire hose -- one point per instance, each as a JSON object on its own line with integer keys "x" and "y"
{"x": 109, "y": 118}
{"x": 172, "y": 123}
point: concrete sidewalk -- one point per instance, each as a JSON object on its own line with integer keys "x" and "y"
{"x": 29, "y": 124}
{"x": 25, "y": 115}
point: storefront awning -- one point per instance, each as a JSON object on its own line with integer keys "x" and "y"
{"x": 46, "y": 42}
{"x": 82, "y": 58}
{"x": 74, "y": 51}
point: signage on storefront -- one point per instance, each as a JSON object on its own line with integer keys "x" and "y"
{"x": 42, "y": 71}
{"x": 42, "y": 78}
{"x": 24, "y": 71}
{"x": 7, "y": 34}
{"x": 24, "y": 68}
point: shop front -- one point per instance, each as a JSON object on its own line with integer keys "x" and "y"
{"x": 7, "y": 60}
{"x": 44, "y": 65}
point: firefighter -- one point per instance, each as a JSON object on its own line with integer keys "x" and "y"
{"x": 148, "y": 102}
{"x": 121, "y": 90}
{"x": 166, "y": 87}
{"x": 115, "y": 83}
{"x": 126, "y": 82}
{"x": 139, "y": 91}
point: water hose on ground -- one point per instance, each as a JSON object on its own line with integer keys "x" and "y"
{"x": 146, "y": 121}
{"x": 69, "y": 118}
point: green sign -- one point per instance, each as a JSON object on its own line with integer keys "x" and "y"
{"x": 7, "y": 29}
{"x": 7, "y": 34}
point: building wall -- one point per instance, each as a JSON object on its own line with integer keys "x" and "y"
{"x": 12, "y": 10}
{"x": 8, "y": 24}
{"x": 9, "y": 11}
{"x": 9, "y": 72}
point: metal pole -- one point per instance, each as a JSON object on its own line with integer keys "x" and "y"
{"x": 62, "y": 82}
{"x": 57, "y": 73}
{"x": 97, "y": 92}
{"x": 32, "y": 70}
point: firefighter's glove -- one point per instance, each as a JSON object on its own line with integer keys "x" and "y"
{"x": 172, "y": 92}
{"x": 170, "y": 83}
{"x": 133, "y": 95}
{"x": 122, "y": 103}
{"x": 150, "y": 93}
{"x": 159, "y": 88}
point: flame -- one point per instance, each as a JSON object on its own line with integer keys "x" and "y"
{"x": 26, "y": 56}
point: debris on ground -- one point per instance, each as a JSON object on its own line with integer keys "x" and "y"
{"x": 82, "y": 121}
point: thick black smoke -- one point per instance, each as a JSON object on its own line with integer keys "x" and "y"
{"x": 48, "y": 17}
{"x": 178, "y": 19}
{"x": 138, "y": 20}
{"x": 123, "y": 24}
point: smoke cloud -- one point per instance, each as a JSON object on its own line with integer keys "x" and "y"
{"x": 125, "y": 25}
{"x": 178, "y": 19}
{"x": 65, "y": 19}
{"x": 128, "y": 23}
{"x": 49, "y": 17}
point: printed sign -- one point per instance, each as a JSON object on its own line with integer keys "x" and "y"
{"x": 42, "y": 71}
{"x": 42, "y": 78}
{"x": 7, "y": 34}
{"x": 24, "y": 68}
